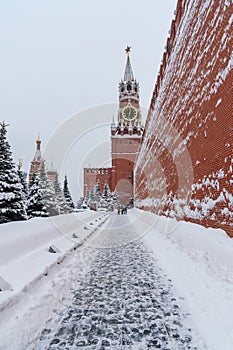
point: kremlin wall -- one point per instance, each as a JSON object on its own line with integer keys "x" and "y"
{"x": 184, "y": 168}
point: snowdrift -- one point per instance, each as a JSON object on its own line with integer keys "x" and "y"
{"x": 199, "y": 262}
{"x": 29, "y": 248}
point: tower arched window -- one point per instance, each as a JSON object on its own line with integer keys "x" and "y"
{"x": 129, "y": 87}
{"x": 122, "y": 87}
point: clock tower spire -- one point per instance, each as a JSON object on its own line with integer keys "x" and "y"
{"x": 128, "y": 76}
{"x": 129, "y": 113}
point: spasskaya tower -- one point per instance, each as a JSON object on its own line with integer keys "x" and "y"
{"x": 126, "y": 136}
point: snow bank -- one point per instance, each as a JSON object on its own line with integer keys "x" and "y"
{"x": 29, "y": 248}
{"x": 37, "y": 284}
{"x": 199, "y": 261}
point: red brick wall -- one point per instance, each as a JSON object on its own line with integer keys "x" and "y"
{"x": 124, "y": 152}
{"x": 94, "y": 175}
{"x": 185, "y": 165}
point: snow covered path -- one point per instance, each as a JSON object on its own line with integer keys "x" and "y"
{"x": 123, "y": 270}
{"x": 124, "y": 300}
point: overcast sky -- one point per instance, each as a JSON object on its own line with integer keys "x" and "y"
{"x": 58, "y": 57}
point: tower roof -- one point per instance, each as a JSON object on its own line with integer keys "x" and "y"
{"x": 128, "y": 76}
{"x": 51, "y": 169}
{"x": 38, "y": 156}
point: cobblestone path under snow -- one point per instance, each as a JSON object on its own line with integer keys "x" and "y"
{"x": 123, "y": 302}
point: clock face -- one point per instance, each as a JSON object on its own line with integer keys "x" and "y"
{"x": 129, "y": 113}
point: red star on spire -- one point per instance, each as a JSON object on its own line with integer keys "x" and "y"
{"x": 127, "y": 50}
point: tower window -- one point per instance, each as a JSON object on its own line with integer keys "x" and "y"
{"x": 129, "y": 87}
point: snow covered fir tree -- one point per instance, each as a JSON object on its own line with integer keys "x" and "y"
{"x": 12, "y": 197}
{"x": 47, "y": 192}
{"x": 35, "y": 205}
{"x": 67, "y": 194}
{"x": 64, "y": 206}
{"x": 46, "y": 198}
{"x": 95, "y": 199}
{"x": 42, "y": 197}
{"x": 22, "y": 177}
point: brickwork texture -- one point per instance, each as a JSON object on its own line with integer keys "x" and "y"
{"x": 184, "y": 168}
